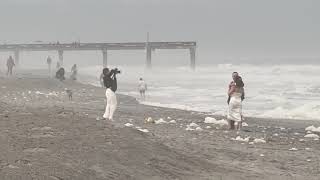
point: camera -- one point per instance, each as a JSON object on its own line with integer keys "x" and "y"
{"x": 116, "y": 71}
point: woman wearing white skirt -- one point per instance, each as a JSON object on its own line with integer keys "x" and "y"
{"x": 235, "y": 93}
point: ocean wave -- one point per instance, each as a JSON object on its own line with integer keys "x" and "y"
{"x": 272, "y": 91}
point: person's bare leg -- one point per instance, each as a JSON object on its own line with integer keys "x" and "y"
{"x": 232, "y": 125}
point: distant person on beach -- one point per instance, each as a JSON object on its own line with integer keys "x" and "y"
{"x": 74, "y": 72}
{"x": 110, "y": 83}
{"x": 101, "y": 79}
{"x": 142, "y": 88}
{"x": 58, "y": 65}
{"x": 49, "y": 62}
{"x": 10, "y": 64}
{"x": 236, "y": 93}
{"x": 60, "y": 74}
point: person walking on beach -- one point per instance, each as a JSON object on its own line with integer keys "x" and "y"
{"x": 236, "y": 96}
{"x": 58, "y": 66}
{"x": 10, "y": 64}
{"x": 142, "y": 88}
{"x": 101, "y": 79}
{"x": 60, "y": 74}
{"x": 49, "y": 62}
{"x": 110, "y": 83}
{"x": 74, "y": 72}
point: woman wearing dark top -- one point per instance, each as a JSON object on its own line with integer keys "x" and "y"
{"x": 110, "y": 83}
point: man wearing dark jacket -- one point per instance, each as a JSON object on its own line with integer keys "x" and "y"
{"x": 110, "y": 83}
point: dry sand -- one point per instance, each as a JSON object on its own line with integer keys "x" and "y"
{"x": 43, "y": 135}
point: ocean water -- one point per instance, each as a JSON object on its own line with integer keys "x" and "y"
{"x": 272, "y": 91}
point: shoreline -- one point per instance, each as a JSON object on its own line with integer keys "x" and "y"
{"x": 44, "y": 135}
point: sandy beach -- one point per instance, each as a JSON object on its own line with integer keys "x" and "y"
{"x": 44, "y": 135}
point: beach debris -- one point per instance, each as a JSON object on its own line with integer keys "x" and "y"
{"x": 293, "y": 149}
{"x": 244, "y": 124}
{"x": 282, "y": 128}
{"x": 99, "y": 118}
{"x": 308, "y": 149}
{"x": 189, "y": 129}
{"x": 168, "y": 117}
{"x": 13, "y": 167}
{"x": 128, "y": 125}
{"x": 193, "y": 125}
{"x": 208, "y": 127}
{"x": 238, "y": 138}
{"x": 149, "y": 120}
{"x": 144, "y": 130}
{"x": 261, "y": 155}
{"x": 257, "y": 140}
{"x": 313, "y": 129}
{"x": 301, "y": 140}
{"x": 251, "y": 143}
{"x": 38, "y": 92}
{"x": 172, "y": 121}
{"x": 275, "y": 134}
{"x": 312, "y": 136}
{"x": 210, "y": 120}
{"x": 161, "y": 121}
{"x": 308, "y": 160}
{"x": 199, "y": 129}
{"x": 296, "y": 133}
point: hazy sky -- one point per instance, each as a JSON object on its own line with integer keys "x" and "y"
{"x": 225, "y": 28}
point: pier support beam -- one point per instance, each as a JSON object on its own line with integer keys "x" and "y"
{"x": 193, "y": 58}
{"x": 60, "y": 52}
{"x": 148, "y": 61}
{"x": 105, "y": 57}
{"x": 17, "y": 57}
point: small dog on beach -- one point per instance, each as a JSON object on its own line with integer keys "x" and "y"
{"x": 69, "y": 93}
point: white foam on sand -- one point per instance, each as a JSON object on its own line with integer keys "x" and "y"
{"x": 161, "y": 121}
{"x": 312, "y": 136}
{"x": 172, "y": 121}
{"x": 128, "y": 125}
{"x": 211, "y": 120}
{"x": 259, "y": 140}
{"x": 199, "y": 129}
{"x": 144, "y": 130}
{"x": 238, "y": 138}
{"x": 313, "y": 129}
{"x": 193, "y": 125}
{"x": 189, "y": 129}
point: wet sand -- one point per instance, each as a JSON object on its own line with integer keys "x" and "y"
{"x": 43, "y": 135}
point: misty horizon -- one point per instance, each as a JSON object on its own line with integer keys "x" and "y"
{"x": 234, "y": 30}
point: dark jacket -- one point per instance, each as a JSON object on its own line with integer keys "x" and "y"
{"x": 110, "y": 81}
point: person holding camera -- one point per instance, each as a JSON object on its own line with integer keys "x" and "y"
{"x": 110, "y": 83}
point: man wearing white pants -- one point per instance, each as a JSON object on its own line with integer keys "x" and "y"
{"x": 110, "y": 82}
{"x": 111, "y": 104}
